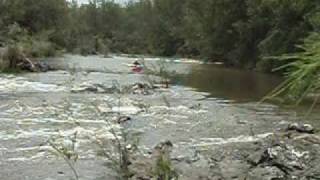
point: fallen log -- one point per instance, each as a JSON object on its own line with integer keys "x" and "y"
{"x": 26, "y": 64}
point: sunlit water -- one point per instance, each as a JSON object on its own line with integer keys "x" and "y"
{"x": 207, "y": 106}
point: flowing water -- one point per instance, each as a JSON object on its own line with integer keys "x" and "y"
{"x": 208, "y": 106}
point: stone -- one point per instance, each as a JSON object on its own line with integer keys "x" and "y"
{"x": 42, "y": 66}
{"x": 84, "y": 88}
{"x": 301, "y": 128}
{"x": 106, "y": 89}
{"x": 255, "y": 158}
{"x": 306, "y": 128}
{"x": 95, "y": 88}
{"x": 266, "y": 173}
{"x": 123, "y": 119}
{"x": 293, "y": 126}
{"x": 233, "y": 169}
{"x": 165, "y": 145}
{"x": 242, "y": 122}
{"x": 284, "y": 157}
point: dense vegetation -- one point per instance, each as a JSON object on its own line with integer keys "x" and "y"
{"x": 238, "y": 32}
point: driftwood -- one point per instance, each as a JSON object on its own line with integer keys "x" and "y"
{"x": 26, "y": 64}
{"x": 13, "y": 58}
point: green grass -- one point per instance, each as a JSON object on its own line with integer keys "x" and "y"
{"x": 302, "y": 71}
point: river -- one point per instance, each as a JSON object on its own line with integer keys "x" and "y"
{"x": 207, "y": 107}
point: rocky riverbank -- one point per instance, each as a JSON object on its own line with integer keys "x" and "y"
{"x": 284, "y": 155}
{"x": 202, "y": 137}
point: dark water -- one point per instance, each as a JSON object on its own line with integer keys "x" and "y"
{"x": 232, "y": 84}
{"x": 243, "y": 87}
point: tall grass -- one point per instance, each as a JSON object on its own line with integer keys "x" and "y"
{"x": 302, "y": 71}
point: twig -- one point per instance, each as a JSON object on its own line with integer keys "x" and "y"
{"x": 67, "y": 160}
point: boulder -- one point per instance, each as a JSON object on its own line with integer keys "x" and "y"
{"x": 139, "y": 88}
{"x": 106, "y": 89}
{"x": 285, "y": 157}
{"x": 94, "y": 88}
{"x": 42, "y": 66}
{"x": 233, "y": 169}
{"x": 266, "y": 173}
{"x": 84, "y": 88}
{"x": 123, "y": 119}
{"x": 302, "y": 128}
{"x": 255, "y": 158}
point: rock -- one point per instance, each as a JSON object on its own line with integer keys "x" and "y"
{"x": 255, "y": 158}
{"x": 60, "y": 172}
{"x": 233, "y": 169}
{"x": 42, "y": 66}
{"x": 163, "y": 146}
{"x": 196, "y": 106}
{"x": 242, "y": 122}
{"x": 314, "y": 173}
{"x": 311, "y": 139}
{"x": 266, "y": 173}
{"x": 287, "y": 158}
{"x": 123, "y": 119}
{"x": 106, "y": 89}
{"x": 84, "y": 88}
{"x": 94, "y": 88}
{"x": 293, "y": 126}
{"x": 275, "y": 157}
{"x": 139, "y": 88}
{"x": 306, "y": 128}
{"x": 302, "y": 128}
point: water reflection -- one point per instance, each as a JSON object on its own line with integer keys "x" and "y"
{"x": 238, "y": 85}
{"x": 243, "y": 89}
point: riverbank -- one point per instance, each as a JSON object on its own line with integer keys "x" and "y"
{"x": 212, "y": 137}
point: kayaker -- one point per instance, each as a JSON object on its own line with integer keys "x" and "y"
{"x": 137, "y": 67}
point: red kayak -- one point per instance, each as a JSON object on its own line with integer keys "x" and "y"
{"x": 137, "y": 69}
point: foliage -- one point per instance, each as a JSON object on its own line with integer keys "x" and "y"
{"x": 163, "y": 168}
{"x": 302, "y": 67}
{"x": 238, "y": 32}
{"x": 154, "y": 71}
{"x": 66, "y": 150}
{"x": 119, "y": 150}
{"x": 20, "y": 45}
{"x": 303, "y": 71}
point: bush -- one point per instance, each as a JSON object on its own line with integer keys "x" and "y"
{"x": 302, "y": 71}
{"x": 40, "y": 48}
{"x": 9, "y": 58}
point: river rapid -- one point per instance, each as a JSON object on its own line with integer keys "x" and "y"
{"x": 207, "y": 111}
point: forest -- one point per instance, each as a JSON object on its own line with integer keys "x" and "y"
{"x": 240, "y": 33}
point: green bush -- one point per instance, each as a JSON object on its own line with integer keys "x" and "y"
{"x": 302, "y": 71}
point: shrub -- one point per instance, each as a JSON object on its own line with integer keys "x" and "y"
{"x": 302, "y": 71}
